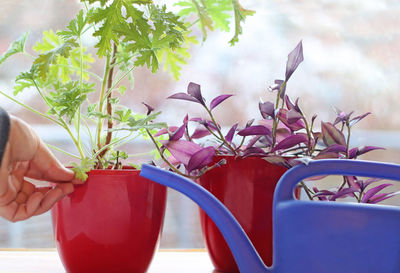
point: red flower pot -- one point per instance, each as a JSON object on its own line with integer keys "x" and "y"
{"x": 246, "y": 187}
{"x": 110, "y": 224}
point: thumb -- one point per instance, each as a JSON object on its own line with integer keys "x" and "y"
{"x": 45, "y": 166}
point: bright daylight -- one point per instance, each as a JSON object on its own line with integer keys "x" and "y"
{"x": 199, "y": 136}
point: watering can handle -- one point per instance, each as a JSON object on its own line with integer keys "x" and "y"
{"x": 242, "y": 249}
{"x": 287, "y": 183}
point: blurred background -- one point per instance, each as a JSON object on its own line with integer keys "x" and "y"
{"x": 351, "y": 61}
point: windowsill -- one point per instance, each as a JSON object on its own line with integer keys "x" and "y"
{"x": 48, "y": 261}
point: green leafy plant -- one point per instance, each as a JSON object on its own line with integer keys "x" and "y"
{"x": 129, "y": 34}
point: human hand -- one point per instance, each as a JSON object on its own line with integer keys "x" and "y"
{"x": 27, "y": 156}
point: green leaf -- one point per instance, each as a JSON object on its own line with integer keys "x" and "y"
{"x": 75, "y": 27}
{"x": 122, "y": 89}
{"x": 59, "y": 59}
{"x": 44, "y": 61}
{"x": 240, "y": 16}
{"x": 219, "y": 11}
{"x": 17, "y": 46}
{"x": 68, "y": 97}
{"x": 174, "y": 59}
{"x": 147, "y": 34}
{"x": 22, "y": 81}
{"x": 123, "y": 115}
{"x": 83, "y": 168}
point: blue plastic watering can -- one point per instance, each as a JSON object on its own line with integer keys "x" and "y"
{"x": 309, "y": 236}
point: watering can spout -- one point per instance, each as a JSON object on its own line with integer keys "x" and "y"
{"x": 242, "y": 249}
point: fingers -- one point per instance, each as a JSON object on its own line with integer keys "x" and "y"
{"x": 30, "y": 201}
{"x": 27, "y": 146}
{"x": 23, "y": 140}
{"x": 45, "y": 166}
{"x": 54, "y": 195}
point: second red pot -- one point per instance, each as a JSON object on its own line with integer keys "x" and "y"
{"x": 246, "y": 187}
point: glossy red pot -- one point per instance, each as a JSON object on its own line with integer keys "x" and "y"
{"x": 110, "y": 224}
{"x": 246, "y": 187}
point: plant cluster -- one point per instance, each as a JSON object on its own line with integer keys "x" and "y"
{"x": 283, "y": 135}
{"x": 129, "y": 34}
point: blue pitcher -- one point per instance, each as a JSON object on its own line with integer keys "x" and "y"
{"x": 309, "y": 236}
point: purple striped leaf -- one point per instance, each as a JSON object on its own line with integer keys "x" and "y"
{"x": 178, "y": 134}
{"x": 249, "y": 122}
{"x": 291, "y": 141}
{"x": 293, "y": 116}
{"x": 182, "y": 96}
{"x": 182, "y": 150}
{"x": 267, "y": 109}
{"x": 358, "y": 118}
{"x": 363, "y": 185}
{"x": 282, "y": 115}
{"x": 336, "y": 148}
{"x": 216, "y": 101}
{"x": 252, "y": 141}
{"x": 294, "y": 59}
{"x": 255, "y": 130}
{"x": 366, "y": 149}
{"x": 161, "y": 132}
{"x": 325, "y": 155}
{"x": 291, "y": 106}
{"x": 323, "y": 193}
{"x": 201, "y": 159}
{"x": 149, "y": 108}
{"x": 186, "y": 119}
{"x": 196, "y": 119}
{"x": 282, "y": 133}
{"x": 278, "y": 86}
{"x": 209, "y": 124}
{"x": 372, "y": 192}
{"x": 195, "y": 91}
{"x": 331, "y": 135}
{"x": 164, "y": 131}
{"x": 383, "y": 196}
{"x": 229, "y": 136}
{"x": 277, "y": 160}
{"x": 343, "y": 193}
{"x": 254, "y": 151}
{"x": 353, "y": 153}
{"x": 200, "y": 132}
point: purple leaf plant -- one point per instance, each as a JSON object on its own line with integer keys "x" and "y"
{"x": 282, "y": 135}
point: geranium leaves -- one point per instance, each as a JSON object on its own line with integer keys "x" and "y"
{"x": 18, "y": 46}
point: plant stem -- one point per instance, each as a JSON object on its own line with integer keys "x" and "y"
{"x": 97, "y": 77}
{"x": 309, "y": 149}
{"x": 109, "y": 105}
{"x": 276, "y": 120}
{"x": 96, "y": 154}
{"x": 163, "y": 157}
{"x": 101, "y": 100}
{"x": 118, "y": 81}
{"x": 89, "y": 133}
{"x": 241, "y": 142}
{"x": 78, "y": 120}
{"x": 307, "y": 190}
{"x": 348, "y": 140}
{"x": 221, "y": 136}
{"x": 62, "y": 122}
{"x": 62, "y": 151}
{"x": 31, "y": 109}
